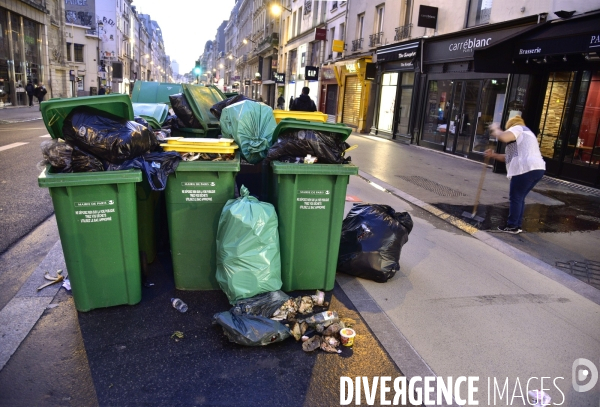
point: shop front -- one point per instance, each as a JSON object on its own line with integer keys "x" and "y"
{"x": 395, "y": 81}
{"x": 20, "y": 56}
{"x": 459, "y": 104}
{"x": 329, "y": 90}
{"x": 354, "y": 96}
{"x": 555, "y": 86}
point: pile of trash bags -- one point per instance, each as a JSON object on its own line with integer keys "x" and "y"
{"x": 293, "y": 146}
{"x": 371, "y": 242}
{"x": 98, "y": 141}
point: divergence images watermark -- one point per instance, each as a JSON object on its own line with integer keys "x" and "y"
{"x": 434, "y": 391}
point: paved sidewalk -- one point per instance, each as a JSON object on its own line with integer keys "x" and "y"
{"x": 16, "y": 114}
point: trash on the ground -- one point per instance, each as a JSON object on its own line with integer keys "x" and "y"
{"x": 299, "y": 305}
{"x": 371, "y": 241}
{"x": 325, "y": 147}
{"x": 251, "y": 330}
{"x": 265, "y": 304}
{"x": 322, "y": 319}
{"x": 251, "y": 125}
{"x": 347, "y": 336}
{"x": 177, "y": 335}
{"x": 329, "y": 344}
{"x": 107, "y": 137}
{"x": 312, "y": 343}
{"x": 248, "y": 259}
{"x": 538, "y": 398}
{"x": 67, "y": 284}
{"x": 184, "y": 112}
{"x": 179, "y": 305}
{"x": 347, "y": 322}
{"x": 332, "y": 329}
{"x": 53, "y": 280}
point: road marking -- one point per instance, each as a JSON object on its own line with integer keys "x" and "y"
{"x": 13, "y": 145}
{"x": 46, "y": 135}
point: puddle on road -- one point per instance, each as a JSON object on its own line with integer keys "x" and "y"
{"x": 579, "y": 213}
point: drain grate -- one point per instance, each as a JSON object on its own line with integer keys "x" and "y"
{"x": 572, "y": 185}
{"x": 431, "y": 186}
{"x": 587, "y": 271}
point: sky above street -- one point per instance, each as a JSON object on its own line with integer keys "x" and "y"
{"x": 186, "y": 25}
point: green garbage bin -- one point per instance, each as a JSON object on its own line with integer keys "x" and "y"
{"x": 309, "y": 199}
{"x": 55, "y": 111}
{"x": 195, "y": 196}
{"x": 96, "y": 215}
{"x": 154, "y": 92}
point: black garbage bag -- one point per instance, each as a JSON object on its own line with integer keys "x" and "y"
{"x": 63, "y": 157}
{"x": 184, "y": 112}
{"x": 156, "y": 166}
{"x": 108, "y": 137}
{"x": 251, "y": 330}
{"x": 327, "y": 147}
{"x": 372, "y": 238}
{"x": 262, "y": 304}
{"x": 141, "y": 120}
{"x": 217, "y": 108}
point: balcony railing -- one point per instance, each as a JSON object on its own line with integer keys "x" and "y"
{"x": 357, "y": 44}
{"x": 402, "y": 32}
{"x": 375, "y": 39}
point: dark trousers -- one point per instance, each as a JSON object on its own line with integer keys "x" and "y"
{"x": 520, "y": 185}
{"x": 30, "y": 99}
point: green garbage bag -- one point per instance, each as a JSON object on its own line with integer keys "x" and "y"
{"x": 251, "y": 125}
{"x": 248, "y": 261}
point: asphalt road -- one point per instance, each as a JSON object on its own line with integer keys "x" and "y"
{"x": 23, "y": 204}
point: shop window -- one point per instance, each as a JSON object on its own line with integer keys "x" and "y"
{"x": 387, "y": 103}
{"x": 583, "y": 140}
{"x": 556, "y": 107}
{"x": 493, "y": 95}
{"x": 78, "y": 53}
{"x": 479, "y": 12}
{"x": 80, "y": 83}
{"x": 69, "y": 52}
{"x": 437, "y": 112}
{"x": 406, "y": 91}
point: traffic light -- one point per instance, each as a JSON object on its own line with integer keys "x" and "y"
{"x": 197, "y": 69}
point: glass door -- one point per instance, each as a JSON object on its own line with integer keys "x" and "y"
{"x": 406, "y": 92}
{"x": 463, "y": 116}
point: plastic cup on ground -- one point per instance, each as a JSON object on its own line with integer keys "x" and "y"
{"x": 347, "y": 336}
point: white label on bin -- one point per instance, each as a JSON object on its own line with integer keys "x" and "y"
{"x": 315, "y": 200}
{"x": 90, "y": 212}
{"x": 198, "y": 191}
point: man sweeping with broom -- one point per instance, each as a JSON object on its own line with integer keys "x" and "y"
{"x": 524, "y": 164}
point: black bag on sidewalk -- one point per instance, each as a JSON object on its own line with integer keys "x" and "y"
{"x": 372, "y": 238}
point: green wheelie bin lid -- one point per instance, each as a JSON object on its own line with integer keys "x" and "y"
{"x": 154, "y": 92}
{"x": 54, "y": 111}
{"x": 201, "y": 99}
{"x": 156, "y": 111}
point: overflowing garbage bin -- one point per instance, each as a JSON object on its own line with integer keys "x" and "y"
{"x": 97, "y": 216}
{"x": 195, "y": 196}
{"x": 309, "y": 199}
{"x": 154, "y": 92}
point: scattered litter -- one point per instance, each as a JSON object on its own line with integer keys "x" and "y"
{"x": 67, "y": 284}
{"x": 265, "y": 304}
{"x": 177, "y": 335}
{"x": 179, "y": 305}
{"x": 53, "y": 280}
{"x": 347, "y": 336}
{"x": 310, "y": 159}
{"x": 299, "y": 305}
{"x": 328, "y": 345}
{"x": 251, "y": 330}
{"x": 312, "y": 344}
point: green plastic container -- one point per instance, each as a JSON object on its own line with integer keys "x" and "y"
{"x": 309, "y": 199}
{"x": 188, "y": 132}
{"x": 154, "y": 92}
{"x": 195, "y": 196}
{"x": 96, "y": 215}
{"x": 201, "y": 99}
{"x": 54, "y": 113}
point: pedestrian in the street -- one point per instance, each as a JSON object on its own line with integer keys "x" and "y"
{"x": 303, "y": 102}
{"x": 40, "y": 92}
{"x": 525, "y": 167}
{"x": 280, "y": 102}
{"x": 29, "y": 88}
{"x": 291, "y": 102}
{"x": 102, "y": 91}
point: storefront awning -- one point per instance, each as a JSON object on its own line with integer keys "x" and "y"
{"x": 555, "y": 45}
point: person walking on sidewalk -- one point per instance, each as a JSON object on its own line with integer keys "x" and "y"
{"x": 29, "y": 89}
{"x": 525, "y": 167}
{"x": 40, "y": 93}
{"x": 303, "y": 102}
